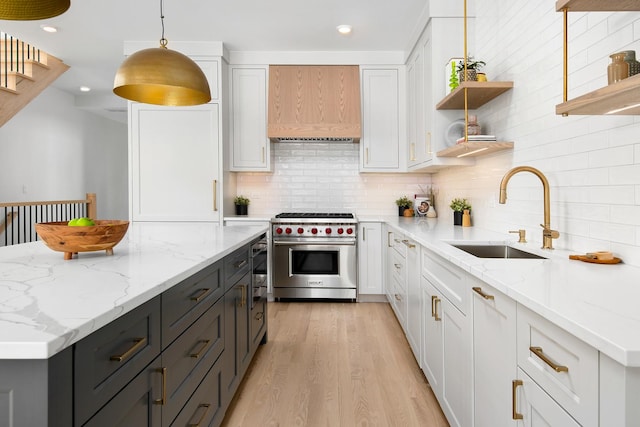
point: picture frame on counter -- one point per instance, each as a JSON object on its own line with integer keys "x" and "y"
{"x": 421, "y": 204}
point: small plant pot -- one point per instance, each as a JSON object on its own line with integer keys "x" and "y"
{"x": 401, "y": 210}
{"x": 457, "y": 218}
{"x": 242, "y": 209}
{"x": 471, "y": 76}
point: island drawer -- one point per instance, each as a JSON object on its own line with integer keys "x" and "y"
{"x": 106, "y": 360}
{"x": 189, "y": 359}
{"x": 563, "y": 365}
{"x": 235, "y": 266}
{"x": 188, "y": 300}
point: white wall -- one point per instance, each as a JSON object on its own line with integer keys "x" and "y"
{"x": 323, "y": 177}
{"x": 591, "y": 162}
{"x": 52, "y": 150}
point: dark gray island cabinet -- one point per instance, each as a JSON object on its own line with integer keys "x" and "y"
{"x": 175, "y": 360}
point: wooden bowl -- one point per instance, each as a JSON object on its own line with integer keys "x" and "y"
{"x": 73, "y": 239}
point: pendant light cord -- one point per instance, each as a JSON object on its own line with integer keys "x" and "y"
{"x": 163, "y": 41}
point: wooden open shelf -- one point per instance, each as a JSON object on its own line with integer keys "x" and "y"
{"x": 598, "y": 5}
{"x": 480, "y": 148}
{"x": 623, "y": 95}
{"x": 478, "y": 94}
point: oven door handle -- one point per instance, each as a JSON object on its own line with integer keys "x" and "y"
{"x": 341, "y": 242}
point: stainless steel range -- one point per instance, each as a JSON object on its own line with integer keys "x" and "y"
{"x": 314, "y": 255}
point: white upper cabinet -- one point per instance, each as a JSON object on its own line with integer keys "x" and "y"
{"x": 175, "y": 162}
{"x": 250, "y": 149}
{"x": 418, "y": 97}
{"x": 211, "y": 69}
{"x": 380, "y": 148}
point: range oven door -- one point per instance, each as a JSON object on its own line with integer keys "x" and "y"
{"x": 314, "y": 265}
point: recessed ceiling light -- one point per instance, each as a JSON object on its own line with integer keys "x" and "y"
{"x": 48, "y": 28}
{"x": 85, "y": 88}
{"x": 344, "y": 29}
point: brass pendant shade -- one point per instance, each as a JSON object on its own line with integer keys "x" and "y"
{"x": 31, "y": 10}
{"x": 163, "y": 77}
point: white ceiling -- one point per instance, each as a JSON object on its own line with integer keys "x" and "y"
{"x": 92, "y": 33}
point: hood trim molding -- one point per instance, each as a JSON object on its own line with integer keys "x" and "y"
{"x": 319, "y": 103}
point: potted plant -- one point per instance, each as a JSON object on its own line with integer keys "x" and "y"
{"x": 242, "y": 205}
{"x": 459, "y": 206}
{"x": 473, "y": 67}
{"x": 403, "y": 204}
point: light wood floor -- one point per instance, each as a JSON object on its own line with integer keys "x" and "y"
{"x": 334, "y": 364}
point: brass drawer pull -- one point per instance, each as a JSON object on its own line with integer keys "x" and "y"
{"x": 163, "y": 399}
{"x": 514, "y": 414}
{"x": 205, "y": 345}
{"x": 434, "y": 308}
{"x": 388, "y": 241}
{"x": 215, "y": 195}
{"x": 259, "y": 315}
{"x": 538, "y": 352}
{"x": 138, "y": 343}
{"x": 409, "y": 245}
{"x": 202, "y": 294}
{"x": 478, "y": 290}
{"x": 398, "y": 297}
{"x": 207, "y": 407}
{"x": 397, "y": 266}
{"x": 243, "y": 295}
{"x": 241, "y": 263}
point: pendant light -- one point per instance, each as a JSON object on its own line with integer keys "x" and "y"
{"x": 161, "y": 76}
{"x": 31, "y": 10}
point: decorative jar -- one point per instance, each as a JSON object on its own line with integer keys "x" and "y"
{"x": 618, "y": 69}
{"x": 630, "y": 58}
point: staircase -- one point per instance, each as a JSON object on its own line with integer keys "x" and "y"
{"x": 25, "y": 71}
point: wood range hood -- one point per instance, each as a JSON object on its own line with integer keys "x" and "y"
{"x": 314, "y": 103}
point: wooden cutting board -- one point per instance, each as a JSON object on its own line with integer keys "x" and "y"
{"x": 595, "y": 260}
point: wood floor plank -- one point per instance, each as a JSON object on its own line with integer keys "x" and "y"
{"x": 334, "y": 364}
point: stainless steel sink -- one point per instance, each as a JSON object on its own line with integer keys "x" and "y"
{"x": 497, "y": 251}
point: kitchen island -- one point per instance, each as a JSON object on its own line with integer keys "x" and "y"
{"x": 51, "y": 310}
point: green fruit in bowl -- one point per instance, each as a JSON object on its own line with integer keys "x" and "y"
{"x": 81, "y": 222}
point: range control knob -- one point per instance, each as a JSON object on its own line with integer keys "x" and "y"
{"x": 349, "y": 230}
{"x": 300, "y": 230}
{"x": 314, "y": 230}
{"x": 279, "y": 230}
{"x": 328, "y": 230}
{"x": 288, "y": 230}
{"x": 340, "y": 230}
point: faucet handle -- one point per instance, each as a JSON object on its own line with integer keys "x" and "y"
{"x": 547, "y": 232}
{"x": 522, "y": 235}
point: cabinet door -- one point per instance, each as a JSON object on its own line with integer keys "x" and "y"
{"x": 431, "y": 362}
{"x": 537, "y": 408}
{"x": 414, "y": 298}
{"x": 250, "y": 147}
{"x": 494, "y": 351}
{"x": 457, "y": 390}
{"x": 175, "y": 163}
{"x": 370, "y": 258}
{"x": 415, "y": 107}
{"x": 380, "y": 143}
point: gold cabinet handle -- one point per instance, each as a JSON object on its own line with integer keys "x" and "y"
{"x": 215, "y": 195}
{"x": 205, "y": 344}
{"x": 363, "y": 230}
{"x": 241, "y": 264}
{"x": 412, "y": 151}
{"x": 538, "y": 352}
{"x": 263, "y": 156}
{"x": 409, "y": 245}
{"x": 397, "y": 266}
{"x": 243, "y": 295}
{"x": 434, "y": 309}
{"x": 366, "y": 156}
{"x": 203, "y": 292}
{"x": 259, "y": 315}
{"x": 138, "y": 343}
{"x": 428, "y": 143}
{"x": 514, "y": 414}
{"x": 398, "y": 297}
{"x": 163, "y": 399}
{"x": 478, "y": 291}
{"x": 206, "y": 407}
{"x": 388, "y": 240}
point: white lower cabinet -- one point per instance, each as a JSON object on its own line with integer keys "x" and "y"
{"x": 414, "y": 307}
{"x": 447, "y": 357}
{"x": 494, "y": 356}
{"x": 533, "y": 407}
{"x": 370, "y": 258}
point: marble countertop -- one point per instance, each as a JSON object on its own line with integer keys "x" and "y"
{"x": 47, "y": 303}
{"x": 600, "y": 304}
